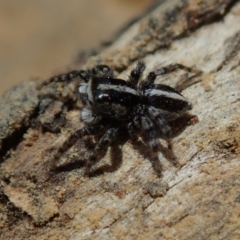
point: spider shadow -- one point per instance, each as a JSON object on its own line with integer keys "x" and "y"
{"x": 68, "y": 167}
{"x": 89, "y": 144}
{"x": 83, "y": 147}
{"x": 116, "y": 156}
{"x": 151, "y": 156}
{"x": 177, "y": 126}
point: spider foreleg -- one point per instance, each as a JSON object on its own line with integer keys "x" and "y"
{"x": 85, "y": 75}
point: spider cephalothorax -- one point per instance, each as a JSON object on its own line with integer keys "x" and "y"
{"x": 111, "y": 104}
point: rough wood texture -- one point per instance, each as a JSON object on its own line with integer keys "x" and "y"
{"x": 197, "y": 199}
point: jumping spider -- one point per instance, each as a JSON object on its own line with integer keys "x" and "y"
{"x": 111, "y": 104}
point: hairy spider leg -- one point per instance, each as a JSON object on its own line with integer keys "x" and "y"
{"x": 134, "y": 126}
{"x": 152, "y": 138}
{"x": 72, "y": 139}
{"x": 156, "y": 116}
{"x": 136, "y": 73}
{"x": 102, "y": 71}
{"x": 164, "y": 70}
{"x": 85, "y": 75}
{"x": 165, "y": 130}
{"x": 105, "y": 141}
{"x": 150, "y": 133}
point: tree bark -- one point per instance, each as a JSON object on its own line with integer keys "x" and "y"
{"x": 197, "y": 198}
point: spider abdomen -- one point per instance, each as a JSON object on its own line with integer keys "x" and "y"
{"x": 166, "y": 98}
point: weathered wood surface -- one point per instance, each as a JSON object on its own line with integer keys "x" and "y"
{"x": 197, "y": 199}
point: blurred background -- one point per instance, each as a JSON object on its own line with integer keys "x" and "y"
{"x": 37, "y": 38}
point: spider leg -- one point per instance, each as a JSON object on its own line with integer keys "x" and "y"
{"x": 164, "y": 128}
{"x": 85, "y": 131}
{"x": 157, "y": 116}
{"x": 102, "y": 71}
{"x": 150, "y": 133}
{"x": 136, "y": 73}
{"x": 85, "y": 75}
{"x": 134, "y": 126}
{"x": 165, "y": 70}
{"x": 153, "y": 141}
{"x": 105, "y": 141}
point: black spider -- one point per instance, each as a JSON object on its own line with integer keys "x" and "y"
{"x": 111, "y": 104}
